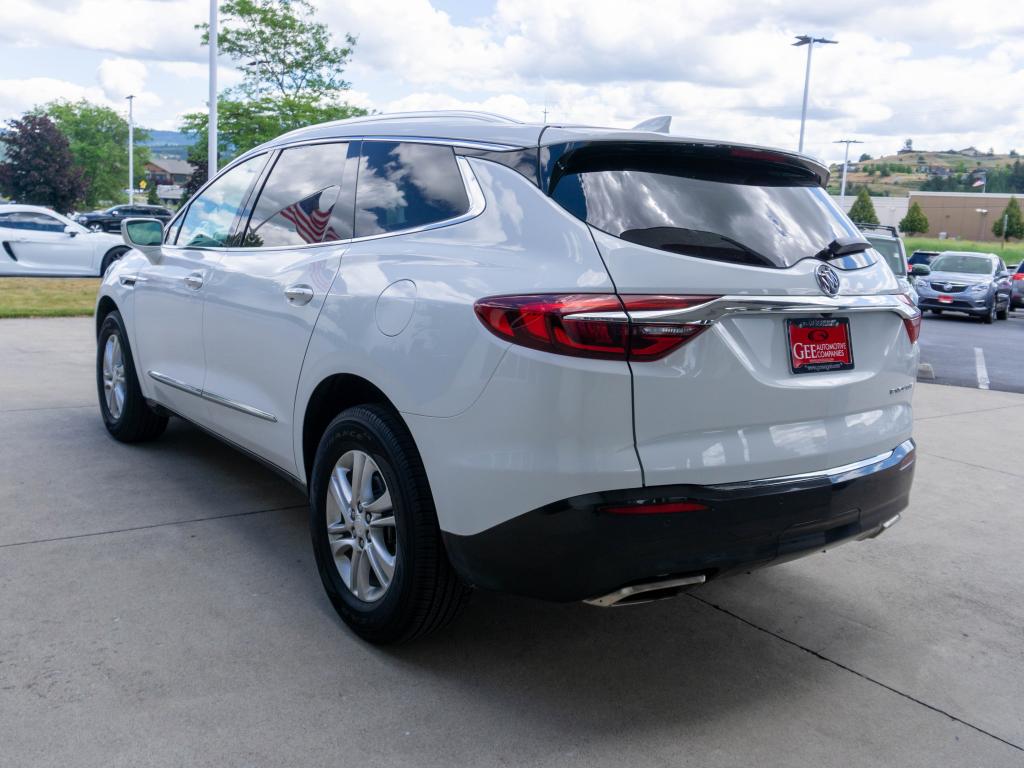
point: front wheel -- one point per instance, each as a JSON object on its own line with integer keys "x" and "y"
{"x": 126, "y": 414}
{"x": 1004, "y": 313}
{"x": 111, "y": 256}
{"x": 375, "y": 535}
{"x": 990, "y": 317}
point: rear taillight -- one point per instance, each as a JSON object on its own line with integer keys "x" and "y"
{"x": 1018, "y": 276}
{"x": 912, "y": 324}
{"x": 591, "y": 325}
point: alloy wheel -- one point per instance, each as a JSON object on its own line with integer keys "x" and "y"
{"x": 361, "y": 526}
{"x": 114, "y": 385}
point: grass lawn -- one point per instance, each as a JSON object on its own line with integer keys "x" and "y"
{"x": 1012, "y": 254}
{"x": 47, "y": 296}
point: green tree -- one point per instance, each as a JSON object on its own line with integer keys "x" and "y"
{"x": 863, "y": 212}
{"x": 38, "y": 167}
{"x": 98, "y": 137}
{"x": 864, "y": 156}
{"x": 292, "y": 74}
{"x": 915, "y": 222}
{"x": 1014, "y": 222}
{"x": 151, "y": 196}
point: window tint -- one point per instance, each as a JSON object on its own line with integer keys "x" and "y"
{"x": 405, "y": 185}
{"x": 890, "y": 249}
{"x": 302, "y": 202}
{"x": 34, "y": 222}
{"x": 710, "y": 208}
{"x": 211, "y": 215}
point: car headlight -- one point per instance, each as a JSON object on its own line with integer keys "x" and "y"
{"x": 978, "y": 288}
{"x": 920, "y": 283}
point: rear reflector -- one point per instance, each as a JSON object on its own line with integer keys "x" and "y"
{"x": 912, "y": 324}
{"x": 653, "y": 508}
{"x": 589, "y": 324}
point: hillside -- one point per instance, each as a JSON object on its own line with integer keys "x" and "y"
{"x": 169, "y": 144}
{"x": 898, "y": 174}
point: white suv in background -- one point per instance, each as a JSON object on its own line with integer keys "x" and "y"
{"x": 566, "y": 362}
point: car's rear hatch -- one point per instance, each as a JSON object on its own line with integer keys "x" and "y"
{"x": 746, "y": 231}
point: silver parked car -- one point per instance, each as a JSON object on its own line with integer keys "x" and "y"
{"x": 958, "y": 281}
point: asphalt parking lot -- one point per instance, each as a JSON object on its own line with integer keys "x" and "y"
{"x": 967, "y": 353}
{"x": 159, "y": 606}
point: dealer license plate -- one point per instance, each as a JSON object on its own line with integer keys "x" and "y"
{"x": 820, "y": 345}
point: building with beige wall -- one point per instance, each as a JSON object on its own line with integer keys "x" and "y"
{"x": 961, "y": 215}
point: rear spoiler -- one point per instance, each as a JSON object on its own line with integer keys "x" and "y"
{"x": 627, "y": 150}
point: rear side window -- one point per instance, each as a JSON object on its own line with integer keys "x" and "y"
{"x": 211, "y": 216}
{"x": 404, "y": 185}
{"x": 302, "y": 201}
{"x": 720, "y": 208}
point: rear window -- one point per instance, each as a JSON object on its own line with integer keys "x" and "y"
{"x": 719, "y": 208}
{"x": 964, "y": 263}
{"x": 890, "y": 249}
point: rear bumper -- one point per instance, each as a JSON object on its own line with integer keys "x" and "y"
{"x": 575, "y": 550}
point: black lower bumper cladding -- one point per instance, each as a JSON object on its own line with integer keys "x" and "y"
{"x": 578, "y": 549}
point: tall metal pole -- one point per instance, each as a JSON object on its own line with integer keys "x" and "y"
{"x": 846, "y": 161}
{"x": 211, "y": 128}
{"x": 807, "y": 86}
{"x": 809, "y": 41}
{"x": 131, "y": 150}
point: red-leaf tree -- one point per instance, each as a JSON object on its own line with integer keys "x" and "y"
{"x": 38, "y": 168}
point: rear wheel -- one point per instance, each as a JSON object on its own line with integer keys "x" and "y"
{"x": 126, "y": 414}
{"x": 937, "y": 311}
{"x": 375, "y": 535}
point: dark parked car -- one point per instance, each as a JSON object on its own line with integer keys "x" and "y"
{"x": 110, "y": 219}
{"x": 922, "y": 257}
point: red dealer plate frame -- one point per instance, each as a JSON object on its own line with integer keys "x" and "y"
{"x": 819, "y": 344}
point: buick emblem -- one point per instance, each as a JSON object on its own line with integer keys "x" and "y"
{"x": 947, "y": 287}
{"x": 827, "y": 279}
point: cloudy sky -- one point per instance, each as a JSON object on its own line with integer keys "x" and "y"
{"x": 946, "y": 73}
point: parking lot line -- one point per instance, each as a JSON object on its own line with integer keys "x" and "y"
{"x": 979, "y": 363}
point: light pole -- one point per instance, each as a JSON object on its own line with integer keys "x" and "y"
{"x": 846, "y": 161}
{"x": 211, "y": 124}
{"x": 131, "y": 150}
{"x": 809, "y": 42}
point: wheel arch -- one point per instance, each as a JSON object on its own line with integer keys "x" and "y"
{"x": 330, "y": 397}
{"x": 104, "y": 307}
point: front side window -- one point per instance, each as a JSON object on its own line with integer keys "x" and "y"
{"x": 302, "y": 201}
{"x": 211, "y": 216}
{"x": 403, "y": 185}
{"x": 33, "y": 222}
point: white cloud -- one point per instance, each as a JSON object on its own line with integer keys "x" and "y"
{"x": 18, "y": 96}
{"x": 121, "y": 77}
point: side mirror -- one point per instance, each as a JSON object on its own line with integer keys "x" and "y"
{"x": 920, "y": 270}
{"x": 145, "y": 235}
{"x": 70, "y": 231}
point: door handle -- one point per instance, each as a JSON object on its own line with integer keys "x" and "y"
{"x": 194, "y": 281}
{"x": 299, "y": 294}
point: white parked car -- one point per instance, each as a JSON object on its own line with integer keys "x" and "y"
{"x": 571, "y": 363}
{"x": 39, "y": 241}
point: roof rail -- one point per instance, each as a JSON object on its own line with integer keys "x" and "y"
{"x": 460, "y": 114}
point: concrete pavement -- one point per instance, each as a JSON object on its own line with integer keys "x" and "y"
{"x": 159, "y": 606}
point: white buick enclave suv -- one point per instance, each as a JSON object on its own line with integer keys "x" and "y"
{"x": 566, "y": 362}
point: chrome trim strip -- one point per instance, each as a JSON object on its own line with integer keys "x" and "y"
{"x": 211, "y": 397}
{"x": 718, "y": 308}
{"x": 170, "y": 382}
{"x": 466, "y": 143}
{"x": 838, "y": 474}
{"x": 240, "y": 407}
{"x": 616, "y": 597}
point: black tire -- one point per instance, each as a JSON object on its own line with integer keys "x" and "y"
{"x": 937, "y": 311}
{"x": 111, "y": 256}
{"x": 989, "y": 317}
{"x": 136, "y": 422}
{"x": 1004, "y": 313}
{"x": 425, "y": 593}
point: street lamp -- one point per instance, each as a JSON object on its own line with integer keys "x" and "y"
{"x": 809, "y": 42}
{"x": 846, "y": 161}
{"x": 131, "y": 150}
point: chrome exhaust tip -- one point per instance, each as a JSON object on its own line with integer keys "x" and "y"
{"x": 883, "y": 527}
{"x": 645, "y": 593}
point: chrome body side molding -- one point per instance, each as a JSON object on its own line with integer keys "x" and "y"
{"x": 211, "y": 397}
